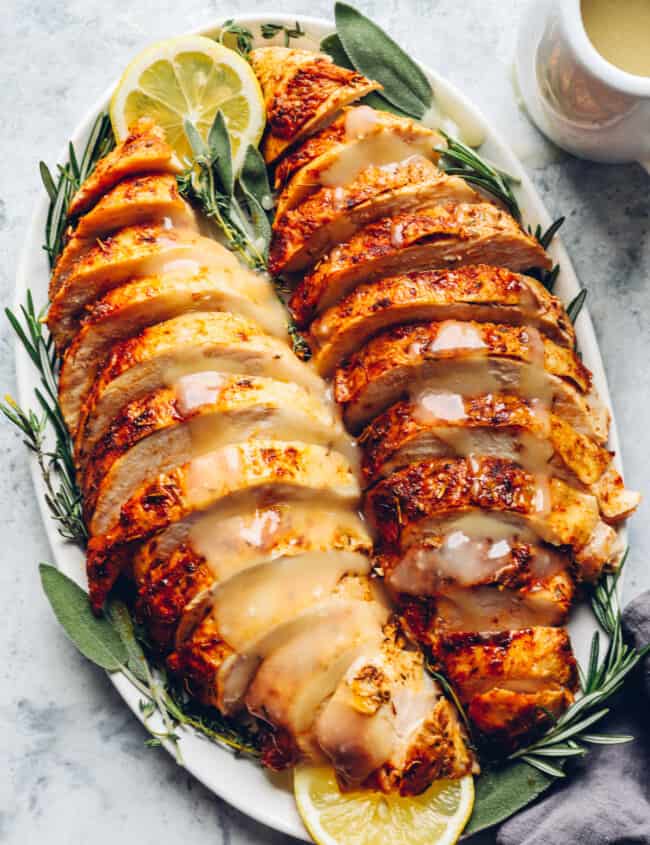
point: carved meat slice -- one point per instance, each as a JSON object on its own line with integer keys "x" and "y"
{"x": 447, "y": 424}
{"x": 336, "y": 211}
{"x": 511, "y": 683}
{"x": 476, "y": 292}
{"x": 387, "y": 725}
{"x": 204, "y": 412}
{"x": 151, "y": 199}
{"x": 177, "y": 567}
{"x": 438, "y": 496}
{"x": 127, "y": 310}
{"x": 144, "y": 150}
{"x": 468, "y": 359}
{"x": 303, "y": 91}
{"x": 358, "y": 137}
{"x": 162, "y": 354}
{"x": 440, "y": 236}
{"x": 252, "y": 471}
{"x": 145, "y": 251}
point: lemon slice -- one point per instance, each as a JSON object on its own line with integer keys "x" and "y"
{"x": 191, "y": 77}
{"x": 366, "y": 817}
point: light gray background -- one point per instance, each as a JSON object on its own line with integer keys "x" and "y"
{"x": 73, "y": 766}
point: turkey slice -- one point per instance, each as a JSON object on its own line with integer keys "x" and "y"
{"x": 163, "y": 354}
{"x": 440, "y": 236}
{"x": 338, "y": 210}
{"x": 476, "y": 292}
{"x": 303, "y": 91}
{"x": 125, "y": 311}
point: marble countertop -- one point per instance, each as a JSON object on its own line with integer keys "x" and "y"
{"x": 74, "y": 764}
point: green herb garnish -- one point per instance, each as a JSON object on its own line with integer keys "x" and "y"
{"x": 241, "y": 37}
{"x": 69, "y": 179}
{"x": 270, "y": 30}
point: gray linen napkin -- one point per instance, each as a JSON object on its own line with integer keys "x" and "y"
{"x": 606, "y": 801}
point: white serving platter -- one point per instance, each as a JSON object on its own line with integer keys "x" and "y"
{"x": 242, "y": 783}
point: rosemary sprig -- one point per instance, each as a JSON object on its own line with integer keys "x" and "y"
{"x": 57, "y": 465}
{"x": 457, "y": 159}
{"x": 574, "y": 308}
{"x": 570, "y": 734}
{"x": 68, "y": 180}
{"x": 240, "y": 35}
{"x": 545, "y": 238}
{"x": 270, "y": 30}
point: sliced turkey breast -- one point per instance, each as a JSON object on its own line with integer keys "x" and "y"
{"x": 439, "y": 496}
{"x": 336, "y": 211}
{"x": 257, "y": 469}
{"x": 468, "y": 359}
{"x": 439, "y": 236}
{"x": 179, "y": 565}
{"x": 335, "y": 156}
{"x": 162, "y": 354}
{"x": 511, "y": 683}
{"x": 303, "y": 91}
{"x": 152, "y": 199}
{"x": 476, "y": 292}
{"x": 203, "y": 412}
{"x": 147, "y": 251}
{"x": 125, "y": 311}
{"x": 144, "y": 150}
{"x": 447, "y": 424}
{"x": 387, "y": 725}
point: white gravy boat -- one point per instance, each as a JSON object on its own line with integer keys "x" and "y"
{"x": 586, "y": 105}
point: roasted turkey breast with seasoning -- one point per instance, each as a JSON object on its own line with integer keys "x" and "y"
{"x": 203, "y": 412}
{"x": 144, "y": 251}
{"x": 125, "y": 311}
{"x": 468, "y": 359}
{"x": 447, "y": 424}
{"x": 439, "y": 236}
{"x": 303, "y": 92}
{"x": 160, "y": 355}
{"x": 511, "y": 683}
{"x": 360, "y": 136}
{"x": 178, "y": 565}
{"x": 336, "y": 211}
{"x": 439, "y": 495}
{"x": 144, "y": 150}
{"x": 151, "y": 199}
{"x": 474, "y": 293}
{"x": 259, "y": 469}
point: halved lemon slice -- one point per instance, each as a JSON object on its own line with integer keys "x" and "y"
{"x": 366, "y": 817}
{"x": 191, "y": 77}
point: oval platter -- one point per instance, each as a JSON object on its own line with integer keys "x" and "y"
{"x": 242, "y": 783}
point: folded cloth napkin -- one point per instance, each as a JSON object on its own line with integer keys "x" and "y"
{"x": 606, "y": 800}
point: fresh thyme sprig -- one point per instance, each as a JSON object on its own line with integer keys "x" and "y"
{"x": 243, "y": 37}
{"x": 270, "y": 30}
{"x": 69, "y": 178}
{"x": 457, "y": 159}
{"x": 570, "y": 734}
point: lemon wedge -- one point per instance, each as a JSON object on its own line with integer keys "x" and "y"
{"x": 367, "y": 817}
{"x": 191, "y": 78}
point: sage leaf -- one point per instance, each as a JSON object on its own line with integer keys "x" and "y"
{"x": 95, "y": 637}
{"x": 254, "y": 178}
{"x": 120, "y": 618}
{"x": 197, "y": 143}
{"x": 503, "y": 791}
{"x": 259, "y": 223}
{"x": 331, "y": 45}
{"x": 221, "y": 153}
{"x": 377, "y": 56}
